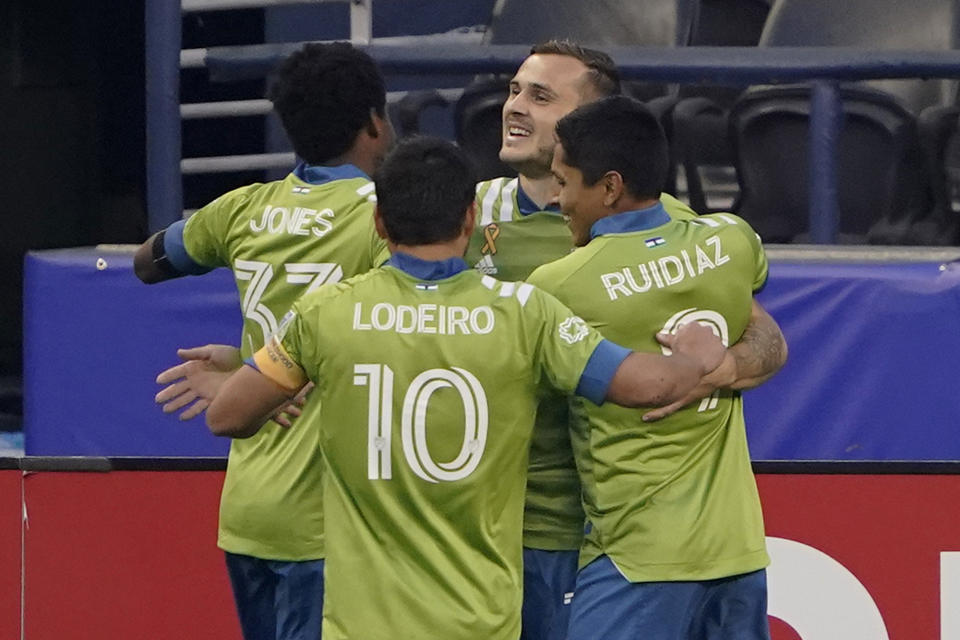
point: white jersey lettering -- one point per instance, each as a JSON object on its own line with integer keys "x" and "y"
{"x": 423, "y": 319}
{"x": 666, "y": 271}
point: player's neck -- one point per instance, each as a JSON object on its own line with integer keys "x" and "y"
{"x": 366, "y": 162}
{"x": 624, "y": 204}
{"x": 431, "y": 252}
{"x": 542, "y": 191}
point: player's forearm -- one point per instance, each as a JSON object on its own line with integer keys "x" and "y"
{"x": 760, "y": 353}
{"x": 651, "y": 380}
{"x": 145, "y": 264}
{"x": 243, "y": 404}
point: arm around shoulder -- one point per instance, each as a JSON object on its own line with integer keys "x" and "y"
{"x": 649, "y": 379}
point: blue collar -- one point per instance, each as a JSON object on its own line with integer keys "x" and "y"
{"x": 320, "y": 174}
{"x": 637, "y": 220}
{"x": 427, "y": 269}
{"x": 526, "y": 206}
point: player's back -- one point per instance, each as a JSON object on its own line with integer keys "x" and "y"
{"x": 677, "y": 475}
{"x": 428, "y": 390}
{"x": 285, "y": 238}
{"x": 282, "y": 239}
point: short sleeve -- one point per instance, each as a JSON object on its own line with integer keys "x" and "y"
{"x": 761, "y": 269}
{"x": 206, "y": 231}
{"x": 755, "y": 244}
{"x": 564, "y": 341}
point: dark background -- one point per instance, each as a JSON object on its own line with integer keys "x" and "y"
{"x": 72, "y": 166}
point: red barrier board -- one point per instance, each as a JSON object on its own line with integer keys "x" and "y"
{"x": 863, "y": 552}
{"x": 10, "y": 553}
{"x": 132, "y": 555}
{"x": 125, "y": 555}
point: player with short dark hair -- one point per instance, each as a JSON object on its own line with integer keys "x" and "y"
{"x": 282, "y": 239}
{"x": 427, "y": 374}
{"x": 594, "y": 151}
{"x": 674, "y": 544}
{"x": 425, "y": 210}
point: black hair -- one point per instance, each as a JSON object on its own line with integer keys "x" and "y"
{"x": 616, "y": 134}
{"x": 324, "y": 94}
{"x": 424, "y": 188}
{"x": 603, "y": 75}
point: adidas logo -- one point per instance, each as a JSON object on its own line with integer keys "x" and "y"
{"x": 486, "y": 266}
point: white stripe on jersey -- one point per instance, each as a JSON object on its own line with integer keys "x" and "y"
{"x": 727, "y": 218}
{"x": 709, "y": 222}
{"x": 506, "y": 200}
{"x": 489, "y": 282}
{"x": 486, "y": 205}
{"x": 523, "y": 293}
{"x": 507, "y": 289}
{"x": 365, "y": 189}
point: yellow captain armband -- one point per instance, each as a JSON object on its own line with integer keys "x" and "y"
{"x": 273, "y": 361}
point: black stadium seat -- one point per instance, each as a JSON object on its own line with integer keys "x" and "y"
{"x": 698, "y": 120}
{"x": 907, "y": 118}
{"x": 878, "y": 163}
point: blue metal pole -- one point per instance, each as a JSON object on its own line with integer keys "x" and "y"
{"x": 826, "y": 120}
{"x": 163, "y": 44}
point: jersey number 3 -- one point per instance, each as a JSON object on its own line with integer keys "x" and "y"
{"x": 378, "y": 378}
{"x": 260, "y": 274}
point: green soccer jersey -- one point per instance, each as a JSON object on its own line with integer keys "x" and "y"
{"x": 427, "y": 389}
{"x": 282, "y": 239}
{"x": 674, "y": 499}
{"x": 511, "y": 241}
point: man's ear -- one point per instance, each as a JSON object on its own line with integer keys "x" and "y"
{"x": 470, "y": 218}
{"x": 612, "y": 187}
{"x": 375, "y": 124}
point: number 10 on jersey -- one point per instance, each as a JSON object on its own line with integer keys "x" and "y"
{"x": 379, "y": 380}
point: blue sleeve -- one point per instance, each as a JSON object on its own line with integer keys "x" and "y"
{"x": 176, "y": 251}
{"x": 597, "y": 375}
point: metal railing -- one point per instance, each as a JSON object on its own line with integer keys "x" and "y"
{"x": 165, "y": 57}
{"x": 824, "y": 67}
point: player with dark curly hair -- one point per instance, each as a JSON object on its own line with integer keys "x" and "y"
{"x": 282, "y": 239}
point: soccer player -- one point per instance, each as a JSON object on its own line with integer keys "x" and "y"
{"x": 520, "y": 228}
{"x": 282, "y": 239}
{"x": 675, "y": 543}
{"x": 426, "y": 372}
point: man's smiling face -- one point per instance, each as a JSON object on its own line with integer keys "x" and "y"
{"x": 545, "y": 88}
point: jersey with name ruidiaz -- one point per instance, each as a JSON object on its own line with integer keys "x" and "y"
{"x": 509, "y": 245}
{"x": 425, "y": 387}
{"x": 282, "y": 239}
{"x": 674, "y": 499}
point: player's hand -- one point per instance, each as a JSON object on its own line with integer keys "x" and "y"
{"x": 196, "y": 381}
{"x": 700, "y": 342}
{"x": 696, "y": 341}
{"x": 288, "y": 413}
{"x": 719, "y": 378}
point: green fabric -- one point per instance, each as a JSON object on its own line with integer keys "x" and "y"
{"x": 553, "y": 517}
{"x": 674, "y": 499}
{"x": 314, "y": 234}
{"x": 428, "y": 390}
